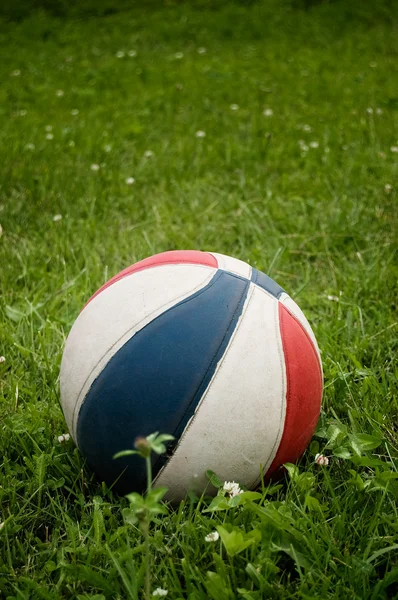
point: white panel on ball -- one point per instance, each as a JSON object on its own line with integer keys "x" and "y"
{"x": 243, "y": 407}
{"x": 233, "y": 265}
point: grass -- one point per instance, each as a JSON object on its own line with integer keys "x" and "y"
{"x": 307, "y": 194}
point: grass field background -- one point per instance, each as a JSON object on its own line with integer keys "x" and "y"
{"x": 263, "y": 130}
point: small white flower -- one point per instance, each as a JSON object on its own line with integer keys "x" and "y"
{"x": 130, "y": 180}
{"x": 307, "y": 128}
{"x": 314, "y": 144}
{"x": 373, "y": 64}
{"x": 369, "y": 110}
{"x": 321, "y": 460}
{"x": 379, "y": 111}
{"x": 74, "y": 112}
{"x": 303, "y": 146}
{"x": 388, "y": 188}
{"x": 333, "y": 298}
{"x": 15, "y": 73}
{"x": 30, "y": 146}
{"x": 65, "y": 437}
{"x": 59, "y": 93}
{"x": 49, "y": 136}
{"x": 132, "y": 53}
{"x": 212, "y": 537}
{"x": 22, "y": 113}
{"x": 94, "y": 167}
{"x": 120, "y": 54}
{"x": 57, "y": 218}
{"x": 148, "y": 154}
{"x": 231, "y": 488}
{"x": 201, "y": 50}
{"x": 2, "y": 359}
{"x": 202, "y": 134}
{"x": 268, "y": 112}
{"x": 107, "y": 148}
{"x": 48, "y": 128}
{"x": 160, "y": 593}
{"x": 234, "y": 107}
{"x": 394, "y": 149}
{"x": 179, "y": 55}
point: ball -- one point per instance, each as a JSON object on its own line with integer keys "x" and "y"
{"x": 203, "y": 347}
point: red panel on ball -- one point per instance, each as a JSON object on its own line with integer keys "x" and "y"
{"x": 303, "y": 393}
{"x": 173, "y": 257}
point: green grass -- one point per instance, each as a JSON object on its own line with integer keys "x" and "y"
{"x": 320, "y": 220}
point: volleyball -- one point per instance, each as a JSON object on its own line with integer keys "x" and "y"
{"x": 201, "y": 346}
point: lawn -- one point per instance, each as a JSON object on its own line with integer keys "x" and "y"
{"x": 263, "y": 130}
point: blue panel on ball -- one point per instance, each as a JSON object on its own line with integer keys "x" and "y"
{"x": 265, "y": 282}
{"x": 155, "y": 381}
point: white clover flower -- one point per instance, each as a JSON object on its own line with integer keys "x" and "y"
{"x": 268, "y": 112}
{"x": 15, "y": 73}
{"x": 132, "y": 53}
{"x": 303, "y": 146}
{"x": 49, "y": 136}
{"x": 30, "y": 146}
{"x": 212, "y": 537}
{"x": 107, "y": 148}
{"x": 160, "y": 593}
{"x": 234, "y": 106}
{"x": 22, "y": 113}
{"x": 314, "y": 144}
{"x": 48, "y": 128}
{"x": 307, "y": 128}
{"x": 59, "y": 93}
{"x": 388, "y": 188}
{"x": 65, "y": 437}
{"x": 201, "y": 50}
{"x": 394, "y": 149}
{"x": 120, "y": 54}
{"x": 231, "y": 488}
{"x": 369, "y": 110}
{"x": 95, "y": 167}
{"x": 321, "y": 460}
{"x": 74, "y": 112}
{"x": 200, "y": 134}
{"x": 148, "y": 154}
{"x": 333, "y": 298}
{"x": 57, "y": 218}
{"x": 2, "y": 359}
{"x": 130, "y": 180}
{"x": 379, "y": 111}
{"x": 179, "y": 55}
